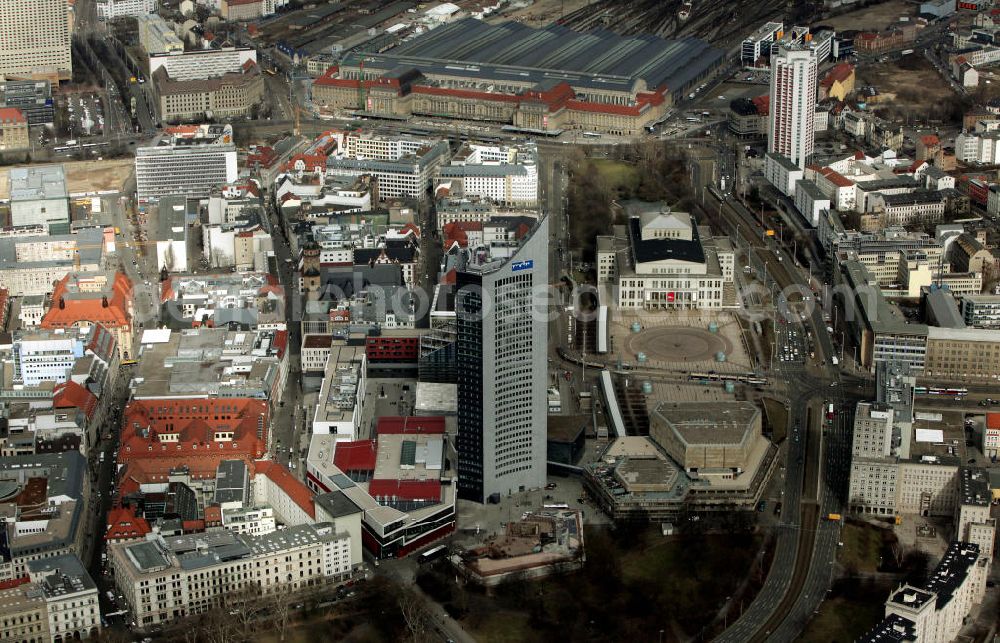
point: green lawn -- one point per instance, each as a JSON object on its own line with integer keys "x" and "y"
{"x": 618, "y": 174}
{"x": 854, "y": 607}
{"x": 862, "y": 547}
{"x": 501, "y": 626}
{"x": 842, "y": 620}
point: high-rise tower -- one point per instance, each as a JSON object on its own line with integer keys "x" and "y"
{"x": 792, "y": 107}
{"x": 502, "y": 368}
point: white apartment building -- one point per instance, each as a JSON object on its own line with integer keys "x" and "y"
{"x": 981, "y": 148}
{"x": 253, "y": 521}
{"x": 71, "y": 597}
{"x": 782, "y": 173}
{"x": 502, "y": 174}
{"x": 156, "y": 36}
{"x": 202, "y": 64}
{"x": 163, "y": 579}
{"x": 810, "y": 201}
{"x": 660, "y": 259}
{"x": 936, "y": 611}
{"x": 186, "y": 165}
{"x": 973, "y": 523}
{"x": 793, "y": 102}
{"x": 36, "y": 40}
{"x": 108, "y": 9}
{"x": 991, "y": 435}
{"x": 45, "y": 357}
{"x": 401, "y": 168}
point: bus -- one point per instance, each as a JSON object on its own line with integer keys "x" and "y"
{"x": 556, "y": 505}
{"x": 692, "y": 119}
{"x": 748, "y": 378}
{"x": 949, "y": 392}
{"x": 270, "y": 72}
{"x": 592, "y": 135}
{"x": 432, "y": 554}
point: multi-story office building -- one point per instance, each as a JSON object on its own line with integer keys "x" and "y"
{"x": 874, "y": 465}
{"x": 156, "y": 36}
{"x": 401, "y": 172}
{"x": 963, "y": 354}
{"x": 29, "y": 265}
{"x": 108, "y": 9}
{"x": 759, "y": 42}
{"x": 189, "y": 161}
{"x": 499, "y": 173}
{"x": 202, "y": 64}
{"x": 36, "y": 40}
{"x": 793, "y": 103}
{"x": 501, "y": 366}
{"x": 232, "y": 95}
{"x": 32, "y": 97}
{"x": 163, "y": 579}
{"x": 38, "y": 196}
{"x": 981, "y": 311}
{"x": 45, "y": 357}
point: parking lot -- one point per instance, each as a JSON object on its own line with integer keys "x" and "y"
{"x": 84, "y": 115}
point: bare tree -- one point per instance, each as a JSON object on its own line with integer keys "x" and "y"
{"x": 279, "y": 608}
{"x": 415, "y": 614}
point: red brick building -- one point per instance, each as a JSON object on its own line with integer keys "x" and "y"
{"x": 203, "y": 431}
{"x": 103, "y": 298}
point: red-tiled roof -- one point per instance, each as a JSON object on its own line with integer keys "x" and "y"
{"x": 388, "y": 425}
{"x": 65, "y": 312}
{"x": 14, "y": 582}
{"x": 193, "y": 526}
{"x": 993, "y": 420}
{"x": 11, "y": 115}
{"x": 355, "y": 456}
{"x": 930, "y": 139}
{"x": 280, "y": 342}
{"x": 836, "y": 177}
{"x": 840, "y": 72}
{"x": 70, "y": 395}
{"x": 124, "y": 524}
{"x": 429, "y": 490}
{"x": 763, "y": 104}
{"x": 292, "y": 486}
{"x": 213, "y": 514}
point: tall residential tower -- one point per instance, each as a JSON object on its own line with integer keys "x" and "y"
{"x": 35, "y": 40}
{"x": 502, "y": 347}
{"x": 790, "y": 129}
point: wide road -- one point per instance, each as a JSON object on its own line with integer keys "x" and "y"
{"x": 800, "y": 571}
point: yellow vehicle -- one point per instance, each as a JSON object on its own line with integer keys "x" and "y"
{"x": 833, "y": 516}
